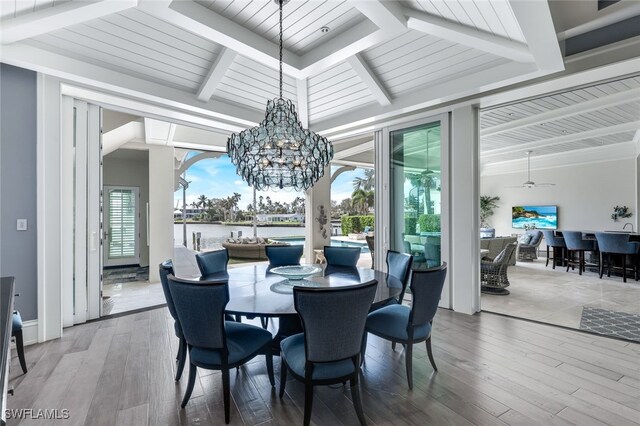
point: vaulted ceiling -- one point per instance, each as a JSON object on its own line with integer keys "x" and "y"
{"x": 220, "y": 58}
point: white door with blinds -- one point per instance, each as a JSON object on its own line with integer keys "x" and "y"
{"x": 121, "y": 221}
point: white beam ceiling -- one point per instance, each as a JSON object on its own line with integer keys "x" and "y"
{"x": 213, "y": 78}
{"x": 359, "y": 65}
{"x": 63, "y": 15}
{"x": 467, "y": 36}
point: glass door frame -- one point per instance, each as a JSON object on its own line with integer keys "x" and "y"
{"x": 382, "y": 167}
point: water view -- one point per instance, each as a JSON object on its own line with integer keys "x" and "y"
{"x": 212, "y": 236}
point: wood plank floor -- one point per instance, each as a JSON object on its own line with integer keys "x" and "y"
{"x": 492, "y": 371}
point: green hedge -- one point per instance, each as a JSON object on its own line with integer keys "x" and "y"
{"x": 429, "y": 223}
{"x": 356, "y": 224}
{"x": 410, "y": 225}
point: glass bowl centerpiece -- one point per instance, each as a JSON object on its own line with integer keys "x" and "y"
{"x": 296, "y": 272}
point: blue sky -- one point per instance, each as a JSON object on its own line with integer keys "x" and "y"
{"x": 217, "y": 178}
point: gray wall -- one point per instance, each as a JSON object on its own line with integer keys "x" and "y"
{"x": 18, "y": 137}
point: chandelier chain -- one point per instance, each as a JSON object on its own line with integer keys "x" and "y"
{"x": 280, "y": 2}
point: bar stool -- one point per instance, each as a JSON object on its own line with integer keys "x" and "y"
{"x": 555, "y": 242}
{"x": 612, "y": 243}
{"x": 575, "y": 243}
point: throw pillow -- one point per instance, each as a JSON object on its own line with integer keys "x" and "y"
{"x": 524, "y": 239}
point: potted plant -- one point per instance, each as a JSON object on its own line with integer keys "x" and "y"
{"x": 487, "y": 205}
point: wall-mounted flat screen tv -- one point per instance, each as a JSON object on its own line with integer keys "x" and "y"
{"x": 543, "y": 217}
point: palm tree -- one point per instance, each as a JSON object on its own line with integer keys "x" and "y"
{"x": 202, "y": 201}
{"x": 367, "y": 182}
{"x": 427, "y": 181}
{"x": 362, "y": 200}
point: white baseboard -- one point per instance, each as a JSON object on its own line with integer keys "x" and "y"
{"x": 30, "y": 332}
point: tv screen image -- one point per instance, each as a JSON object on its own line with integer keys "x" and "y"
{"x": 543, "y": 217}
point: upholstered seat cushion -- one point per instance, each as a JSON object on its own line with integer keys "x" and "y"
{"x": 17, "y": 322}
{"x": 243, "y": 340}
{"x": 293, "y": 352}
{"x": 391, "y": 323}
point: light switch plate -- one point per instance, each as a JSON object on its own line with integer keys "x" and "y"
{"x": 21, "y": 225}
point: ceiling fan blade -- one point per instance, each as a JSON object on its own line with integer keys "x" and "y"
{"x": 545, "y": 184}
{"x": 516, "y": 186}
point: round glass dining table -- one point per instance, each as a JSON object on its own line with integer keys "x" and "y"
{"x": 254, "y": 291}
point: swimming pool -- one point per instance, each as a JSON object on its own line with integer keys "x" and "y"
{"x": 298, "y": 241}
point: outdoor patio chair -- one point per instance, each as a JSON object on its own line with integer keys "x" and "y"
{"x": 284, "y": 255}
{"x": 328, "y": 352}
{"x": 213, "y": 343}
{"x": 371, "y": 245}
{"x": 493, "y": 272}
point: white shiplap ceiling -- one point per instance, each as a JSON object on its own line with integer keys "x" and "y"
{"x": 378, "y": 56}
{"x": 605, "y": 114}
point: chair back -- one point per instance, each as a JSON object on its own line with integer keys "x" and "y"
{"x": 536, "y": 237}
{"x": 406, "y": 245}
{"x": 166, "y": 269}
{"x": 333, "y": 319}
{"x": 370, "y": 243}
{"x": 432, "y": 251}
{"x": 616, "y": 243}
{"x": 574, "y": 241}
{"x": 342, "y": 256}
{"x": 283, "y": 255}
{"x": 200, "y": 308}
{"x": 211, "y": 262}
{"x": 399, "y": 266}
{"x": 426, "y": 288}
{"x": 505, "y": 255}
{"x": 552, "y": 239}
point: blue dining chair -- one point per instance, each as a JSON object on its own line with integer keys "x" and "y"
{"x": 399, "y": 267}
{"x": 213, "y": 343}
{"x": 618, "y": 244}
{"x": 166, "y": 269}
{"x": 16, "y": 333}
{"x": 283, "y": 255}
{"x": 410, "y": 325}
{"x": 576, "y": 244}
{"x": 556, "y": 243}
{"x": 328, "y": 351}
{"x": 212, "y": 262}
{"x": 342, "y": 256}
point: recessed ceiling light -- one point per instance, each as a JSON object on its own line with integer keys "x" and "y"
{"x": 324, "y": 29}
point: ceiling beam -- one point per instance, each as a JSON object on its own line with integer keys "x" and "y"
{"x": 386, "y": 15}
{"x": 361, "y": 68}
{"x": 595, "y": 133}
{"x": 137, "y": 90}
{"x": 302, "y": 89}
{"x": 564, "y": 112}
{"x": 198, "y": 19}
{"x": 340, "y": 171}
{"x": 54, "y": 18}
{"x": 534, "y": 19}
{"x": 354, "y": 150}
{"x": 467, "y": 36}
{"x": 215, "y": 74}
{"x": 358, "y": 164}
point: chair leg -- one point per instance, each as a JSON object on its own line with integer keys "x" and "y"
{"x": 357, "y": 403}
{"x": 182, "y": 358}
{"x": 408, "y": 352}
{"x": 190, "y": 384}
{"x": 283, "y": 377}
{"x": 430, "y": 354}
{"x": 601, "y": 266}
{"x": 608, "y": 265}
{"x": 393, "y": 346}
{"x": 238, "y": 318}
{"x": 568, "y": 259}
{"x": 269, "y": 358}
{"x": 624, "y": 268}
{"x": 308, "y": 403}
{"x": 363, "y": 348}
{"x": 580, "y": 262}
{"x": 264, "y": 321}
{"x": 226, "y": 393}
{"x": 20, "y": 349}
{"x": 547, "y": 264}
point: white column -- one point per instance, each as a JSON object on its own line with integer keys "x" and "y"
{"x": 464, "y": 268}
{"x": 382, "y": 197}
{"x": 317, "y": 198}
{"x": 160, "y": 220}
{"x": 49, "y": 209}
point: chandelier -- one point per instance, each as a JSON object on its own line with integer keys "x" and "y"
{"x": 279, "y": 153}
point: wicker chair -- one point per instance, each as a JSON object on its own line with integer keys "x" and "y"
{"x": 493, "y": 273}
{"x": 371, "y": 244}
{"x": 529, "y": 251}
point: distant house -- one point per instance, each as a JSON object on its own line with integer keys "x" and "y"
{"x": 274, "y": 218}
{"x": 191, "y": 213}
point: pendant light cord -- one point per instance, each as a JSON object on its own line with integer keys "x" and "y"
{"x": 280, "y": 2}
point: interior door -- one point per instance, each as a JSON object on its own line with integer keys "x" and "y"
{"x": 121, "y": 225}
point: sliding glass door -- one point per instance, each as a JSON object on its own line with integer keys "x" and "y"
{"x": 416, "y": 188}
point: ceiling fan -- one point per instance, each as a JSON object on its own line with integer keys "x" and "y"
{"x": 529, "y": 183}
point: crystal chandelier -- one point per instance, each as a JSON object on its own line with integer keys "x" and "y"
{"x": 279, "y": 153}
